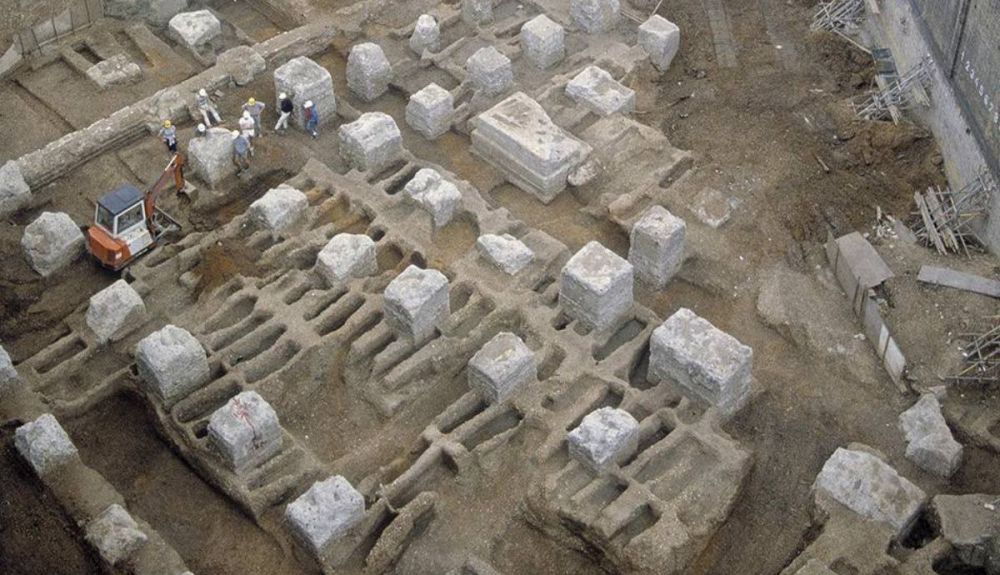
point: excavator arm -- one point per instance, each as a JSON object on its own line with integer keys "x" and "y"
{"x": 173, "y": 172}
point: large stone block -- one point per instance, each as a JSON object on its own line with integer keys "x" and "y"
{"x": 929, "y": 441}
{"x": 347, "y": 256}
{"x": 520, "y": 139}
{"x": 604, "y": 437}
{"x": 505, "y": 252}
{"x": 416, "y": 303}
{"x": 543, "y": 41}
{"x": 242, "y": 63}
{"x": 490, "y": 71}
{"x": 371, "y": 143}
{"x": 368, "y": 71}
{"x": 501, "y": 366}
{"x": 426, "y": 35}
{"x": 477, "y": 12}
{"x": 279, "y": 208}
{"x": 115, "y": 71}
{"x": 114, "y": 311}
{"x": 660, "y": 38}
{"x": 115, "y": 535}
{"x": 702, "y": 359}
{"x": 430, "y": 111}
{"x": 657, "y": 246}
{"x": 172, "y": 363}
{"x": 52, "y": 242}
{"x": 305, "y": 80}
{"x": 869, "y": 487}
{"x": 245, "y": 432}
{"x": 595, "y": 16}
{"x": 325, "y": 513}
{"x": 439, "y": 197}
{"x": 598, "y": 91}
{"x": 8, "y": 374}
{"x": 970, "y": 524}
{"x": 596, "y": 286}
{"x": 44, "y": 444}
{"x": 211, "y": 156}
{"x": 14, "y": 191}
{"x": 194, "y": 29}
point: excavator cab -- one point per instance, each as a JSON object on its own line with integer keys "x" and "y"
{"x": 127, "y": 222}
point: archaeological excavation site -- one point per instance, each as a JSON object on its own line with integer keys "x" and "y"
{"x": 500, "y": 287}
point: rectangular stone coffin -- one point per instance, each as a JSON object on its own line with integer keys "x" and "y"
{"x": 518, "y": 137}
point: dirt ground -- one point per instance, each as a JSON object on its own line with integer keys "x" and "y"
{"x": 776, "y": 134}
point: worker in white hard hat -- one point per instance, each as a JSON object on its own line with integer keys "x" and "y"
{"x": 241, "y": 152}
{"x": 207, "y": 108}
{"x": 285, "y": 108}
{"x": 201, "y": 131}
{"x": 312, "y": 118}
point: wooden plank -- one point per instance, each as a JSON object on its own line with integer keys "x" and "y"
{"x": 940, "y": 220}
{"x": 959, "y": 280}
{"x": 929, "y": 223}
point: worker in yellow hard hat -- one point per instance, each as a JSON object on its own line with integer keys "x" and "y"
{"x": 256, "y": 109}
{"x": 168, "y": 133}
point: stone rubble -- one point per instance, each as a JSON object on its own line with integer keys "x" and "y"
{"x": 8, "y": 374}
{"x": 477, "y": 12}
{"x": 929, "y": 441}
{"x": 505, "y": 252}
{"x": 14, "y": 191}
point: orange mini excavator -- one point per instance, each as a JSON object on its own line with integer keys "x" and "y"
{"x": 127, "y": 222}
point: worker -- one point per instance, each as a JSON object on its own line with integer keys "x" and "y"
{"x": 247, "y": 128}
{"x": 241, "y": 152}
{"x": 286, "y": 107}
{"x": 207, "y": 108}
{"x": 256, "y": 109}
{"x": 312, "y": 118}
{"x": 168, "y": 133}
{"x": 201, "y": 131}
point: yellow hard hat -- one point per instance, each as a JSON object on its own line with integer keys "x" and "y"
{"x": 166, "y": 123}
{"x": 252, "y": 101}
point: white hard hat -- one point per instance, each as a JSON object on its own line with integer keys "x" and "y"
{"x": 202, "y": 92}
{"x": 282, "y": 96}
{"x": 236, "y": 134}
{"x": 309, "y": 104}
{"x": 246, "y": 113}
{"x": 201, "y": 127}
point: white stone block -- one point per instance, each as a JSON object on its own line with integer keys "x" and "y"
{"x": 435, "y": 194}
{"x": 14, "y": 191}
{"x": 416, "y": 303}
{"x": 194, "y": 29}
{"x": 501, "y": 366}
{"x": 604, "y": 437}
{"x": 702, "y": 359}
{"x": 304, "y": 80}
{"x": 44, "y": 444}
{"x": 371, "y": 143}
{"x": 325, "y": 513}
{"x": 245, "y": 432}
{"x": 477, "y": 12}
{"x": 597, "y": 90}
{"x": 172, "y": 363}
{"x": 114, "y": 311}
{"x": 211, "y": 156}
{"x": 930, "y": 443}
{"x": 656, "y": 248}
{"x": 52, "y": 242}
{"x": 430, "y": 111}
{"x": 115, "y": 71}
{"x": 596, "y": 287}
{"x": 278, "y": 209}
{"x": 8, "y": 375}
{"x": 543, "y": 41}
{"x": 660, "y": 38}
{"x": 490, "y": 71}
{"x": 426, "y": 35}
{"x": 595, "y": 16}
{"x": 115, "y": 535}
{"x": 368, "y": 71}
{"x": 505, "y": 252}
{"x": 347, "y": 256}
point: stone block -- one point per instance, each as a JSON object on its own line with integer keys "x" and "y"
{"x": 439, "y": 197}
{"x": 325, "y": 513}
{"x": 115, "y": 535}
{"x": 543, "y": 41}
{"x": 660, "y": 38}
{"x": 702, "y": 359}
{"x": 8, "y": 374}
{"x": 245, "y": 432}
{"x": 242, "y": 63}
{"x": 490, "y": 71}
{"x": 595, "y": 16}
{"x": 368, "y": 71}
{"x": 194, "y": 29}
{"x": 347, "y": 256}
{"x": 304, "y": 80}
{"x": 477, "y": 12}
{"x": 279, "y": 208}
{"x": 869, "y": 487}
{"x": 211, "y": 156}
{"x": 518, "y": 137}
{"x": 596, "y": 286}
{"x": 970, "y": 524}
{"x": 44, "y": 444}
{"x": 426, "y": 35}
{"x": 172, "y": 363}
{"x": 604, "y": 437}
{"x": 430, "y": 111}
{"x": 114, "y": 311}
{"x": 501, "y": 366}
{"x": 598, "y": 91}
{"x": 929, "y": 441}
{"x": 656, "y": 247}
{"x": 416, "y": 303}
{"x": 52, "y": 242}
{"x": 115, "y": 71}
{"x": 505, "y": 252}
{"x": 14, "y": 191}
{"x": 371, "y": 143}
{"x": 711, "y": 207}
